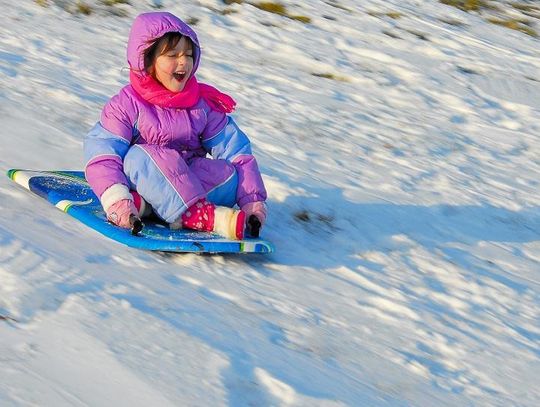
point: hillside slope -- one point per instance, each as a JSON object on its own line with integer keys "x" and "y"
{"x": 399, "y": 142}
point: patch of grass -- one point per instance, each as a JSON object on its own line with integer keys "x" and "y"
{"x": 227, "y": 11}
{"x": 324, "y": 75}
{"x": 467, "y": 5}
{"x": 280, "y": 9}
{"x": 468, "y": 71}
{"x": 337, "y": 5}
{"x": 392, "y": 14}
{"x": 268, "y": 6}
{"x": 302, "y": 216}
{"x": 533, "y": 14}
{"x": 525, "y": 7}
{"x": 111, "y": 3}
{"x": 88, "y": 7}
{"x": 518, "y": 24}
{"x": 391, "y": 34}
{"x": 302, "y": 19}
{"x": 113, "y": 9}
{"x": 271, "y": 7}
{"x": 453, "y": 22}
{"x": 419, "y": 35}
{"x": 330, "y": 76}
{"x": 192, "y": 21}
{"x": 514, "y": 24}
{"x": 316, "y": 221}
{"x": 83, "y": 8}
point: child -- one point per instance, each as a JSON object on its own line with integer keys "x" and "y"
{"x": 151, "y": 143}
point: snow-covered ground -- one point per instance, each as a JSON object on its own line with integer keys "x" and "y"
{"x": 402, "y": 158}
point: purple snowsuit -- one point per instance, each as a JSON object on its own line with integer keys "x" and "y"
{"x": 162, "y": 152}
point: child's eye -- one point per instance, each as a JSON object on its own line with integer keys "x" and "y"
{"x": 176, "y": 55}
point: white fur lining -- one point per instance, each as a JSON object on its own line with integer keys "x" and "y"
{"x": 225, "y": 221}
{"x": 113, "y": 194}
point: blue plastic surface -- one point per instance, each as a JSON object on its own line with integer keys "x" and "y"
{"x": 69, "y": 191}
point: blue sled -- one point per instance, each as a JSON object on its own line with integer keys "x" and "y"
{"x": 69, "y": 192}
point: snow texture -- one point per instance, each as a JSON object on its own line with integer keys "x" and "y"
{"x": 402, "y": 160}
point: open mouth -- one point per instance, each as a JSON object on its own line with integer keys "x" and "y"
{"x": 179, "y": 76}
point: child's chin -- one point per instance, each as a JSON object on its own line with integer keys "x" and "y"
{"x": 175, "y": 87}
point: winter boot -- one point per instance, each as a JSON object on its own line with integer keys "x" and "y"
{"x": 229, "y": 222}
{"x": 206, "y": 216}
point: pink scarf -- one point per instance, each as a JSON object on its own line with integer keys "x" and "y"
{"x": 154, "y": 92}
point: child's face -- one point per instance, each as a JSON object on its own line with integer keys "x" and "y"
{"x": 173, "y": 68}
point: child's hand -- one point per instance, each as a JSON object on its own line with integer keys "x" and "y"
{"x": 120, "y": 212}
{"x": 257, "y": 210}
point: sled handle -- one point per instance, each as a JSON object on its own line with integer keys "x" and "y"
{"x": 136, "y": 225}
{"x": 254, "y": 226}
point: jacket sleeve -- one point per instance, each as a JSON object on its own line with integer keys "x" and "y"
{"x": 104, "y": 149}
{"x": 224, "y": 140}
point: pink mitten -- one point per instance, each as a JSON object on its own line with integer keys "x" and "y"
{"x": 255, "y": 208}
{"x": 119, "y": 213}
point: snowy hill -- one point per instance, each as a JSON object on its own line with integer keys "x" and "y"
{"x": 400, "y": 144}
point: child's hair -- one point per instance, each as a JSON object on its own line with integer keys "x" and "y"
{"x": 161, "y": 46}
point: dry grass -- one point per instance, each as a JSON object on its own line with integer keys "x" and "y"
{"x": 271, "y": 7}
{"x": 392, "y": 14}
{"x": 391, "y": 34}
{"x": 111, "y": 3}
{"x": 302, "y": 19}
{"x": 525, "y": 7}
{"x": 337, "y": 5}
{"x": 515, "y": 24}
{"x": 192, "y": 21}
{"x": 330, "y": 76}
{"x": 316, "y": 220}
{"x": 453, "y": 22}
{"x": 468, "y": 71}
{"x": 302, "y": 216}
{"x": 227, "y": 11}
{"x": 83, "y": 8}
{"x": 489, "y": 9}
{"x": 268, "y": 6}
{"x": 528, "y": 10}
{"x": 280, "y": 9}
{"x": 420, "y": 35}
{"x": 467, "y": 5}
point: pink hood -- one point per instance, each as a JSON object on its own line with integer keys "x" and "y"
{"x": 147, "y": 28}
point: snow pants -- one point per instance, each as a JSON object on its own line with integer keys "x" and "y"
{"x": 171, "y": 184}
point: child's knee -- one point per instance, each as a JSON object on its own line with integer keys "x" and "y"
{"x": 224, "y": 194}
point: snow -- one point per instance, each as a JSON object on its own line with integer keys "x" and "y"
{"x": 404, "y": 207}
